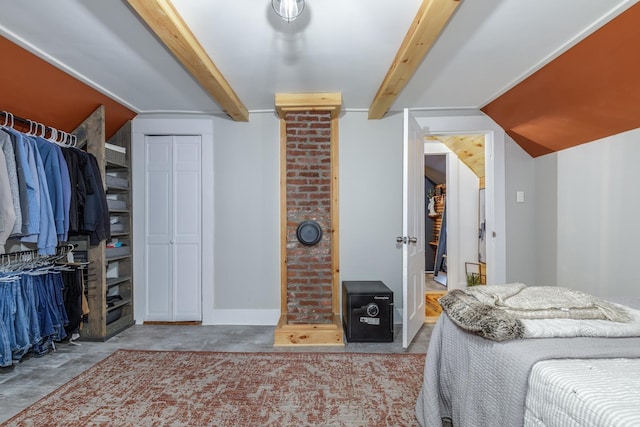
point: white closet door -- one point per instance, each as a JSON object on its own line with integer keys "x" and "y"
{"x": 187, "y": 226}
{"x": 173, "y": 228}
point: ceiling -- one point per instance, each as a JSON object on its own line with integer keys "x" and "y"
{"x": 484, "y": 51}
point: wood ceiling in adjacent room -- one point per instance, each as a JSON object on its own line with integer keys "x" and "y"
{"x": 468, "y": 148}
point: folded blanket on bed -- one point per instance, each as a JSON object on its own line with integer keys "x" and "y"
{"x": 547, "y": 302}
{"x": 500, "y": 312}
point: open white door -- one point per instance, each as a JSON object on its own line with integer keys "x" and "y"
{"x": 412, "y": 239}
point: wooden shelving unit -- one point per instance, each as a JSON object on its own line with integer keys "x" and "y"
{"x": 109, "y": 287}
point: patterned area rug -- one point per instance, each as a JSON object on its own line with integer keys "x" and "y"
{"x": 162, "y": 388}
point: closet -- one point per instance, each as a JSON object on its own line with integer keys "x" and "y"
{"x": 173, "y": 232}
{"x": 88, "y": 206}
{"x": 54, "y": 219}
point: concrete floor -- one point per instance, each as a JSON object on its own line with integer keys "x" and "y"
{"x": 34, "y": 378}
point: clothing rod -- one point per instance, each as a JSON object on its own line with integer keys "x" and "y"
{"x": 9, "y": 118}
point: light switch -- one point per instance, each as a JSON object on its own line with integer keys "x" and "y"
{"x": 519, "y": 196}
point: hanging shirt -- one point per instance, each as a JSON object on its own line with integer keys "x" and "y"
{"x": 75, "y": 164}
{"x": 34, "y": 204}
{"x": 10, "y": 158}
{"x": 29, "y": 199}
{"x": 47, "y": 238}
{"x": 51, "y": 166}
{"x": 7, "y": 213}
{"x": 66, "y": 193}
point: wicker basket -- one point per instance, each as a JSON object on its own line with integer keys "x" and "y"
{"x": 115, "y": 154}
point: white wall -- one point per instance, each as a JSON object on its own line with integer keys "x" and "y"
{"x": 545, "y": 225}
{"x": 468, "y": 221}
{"x": 598, "y": 212}
{"x": 247, "y": 209}
{"x": 520, "y": 217}
{"x": 594, "y": 182}
{"x": 371, "y": 200}
{"x": 247, "y": 220}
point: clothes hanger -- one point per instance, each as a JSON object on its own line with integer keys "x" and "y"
{"x": 53, "y": 137}
{"x": 9, "y": 120}
{"x": 64, "y": 139}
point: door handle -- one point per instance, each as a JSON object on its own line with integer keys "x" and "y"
{"x": 405, "y": 239}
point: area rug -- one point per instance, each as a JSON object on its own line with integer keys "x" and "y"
{"x": 166, "y": 388}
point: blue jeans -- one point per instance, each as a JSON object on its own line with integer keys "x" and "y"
{"x": 5, "y": 346}
{"x": 22, "y": 342}
{"x": 29, "y": 298}
{"x": 5, "y": 343}
{"x": 57, "y": 285}
{"x": 14, "y": 316}
{"x": 45, "y": 315}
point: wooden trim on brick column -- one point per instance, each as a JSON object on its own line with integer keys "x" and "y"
{"x": 299, "y": 324}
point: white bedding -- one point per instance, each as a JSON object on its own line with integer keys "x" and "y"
{"x": 584, "y": 393}
{"x": 556, "y": 328}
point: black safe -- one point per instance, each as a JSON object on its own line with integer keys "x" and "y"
{"x": 367, "y": 311}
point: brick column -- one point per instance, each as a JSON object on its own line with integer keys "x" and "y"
{"x": 310, "y": 273}
{"x": 308, "y": 186}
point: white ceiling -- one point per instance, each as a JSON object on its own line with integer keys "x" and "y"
{"x": 342, "y": 46}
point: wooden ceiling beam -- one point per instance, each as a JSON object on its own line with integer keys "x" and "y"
{"x": 167, "y": 24}
{"x": 429, "y": 22}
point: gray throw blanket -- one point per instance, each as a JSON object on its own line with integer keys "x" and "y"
{"x": 495, "y": 312}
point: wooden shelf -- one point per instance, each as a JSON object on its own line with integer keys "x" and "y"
{"x": 117, "y": 258}
{"x": 95, "y": 327}
{"x": 117, "y": 280}
{"x": 119, "y": 304}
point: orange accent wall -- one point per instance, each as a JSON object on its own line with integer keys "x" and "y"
{"x": 590, "y": 92}
{"x": 34, "y": 89}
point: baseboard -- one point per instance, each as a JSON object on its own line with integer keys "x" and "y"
{"x": 264, "y": 317}
{"x": 244, "y": 317}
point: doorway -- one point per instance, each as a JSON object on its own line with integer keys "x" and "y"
{"x": 469, "y": 122}
{"x": 461, "y": 167}
{"x": 435, "y": 173}
{"x": 173, "y": 226}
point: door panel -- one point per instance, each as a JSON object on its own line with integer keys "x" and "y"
{"x": 187, "y": 292}
{"x": 159, "y": 284}
{"x": 413, "y": 250}
{"x": 158, "y": 202}
{"x": 187, "y": 228}
{"x": 187, "y": 207}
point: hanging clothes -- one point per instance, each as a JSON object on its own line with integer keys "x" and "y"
{"x": 29, "y": 187}
{"x": 7, "y": 212}
{"x": 10, "y": 159}
{"x": 35, "y": 299}
{"x": 49, "y": 192}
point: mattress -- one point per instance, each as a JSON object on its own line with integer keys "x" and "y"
{"x": 584, "y": 392}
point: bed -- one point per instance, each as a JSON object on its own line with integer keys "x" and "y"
{"x": 471, "y": 380}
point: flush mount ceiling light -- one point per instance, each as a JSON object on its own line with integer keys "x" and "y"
{"x": 288, "y": 10}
